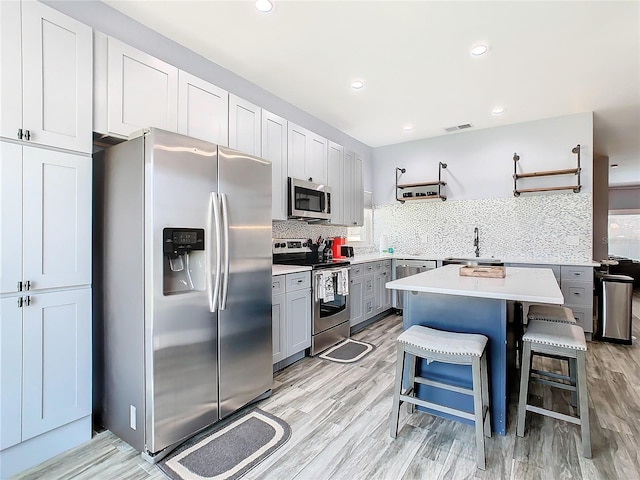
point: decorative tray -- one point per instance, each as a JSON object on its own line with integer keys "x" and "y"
{"x": 486, "y": 272}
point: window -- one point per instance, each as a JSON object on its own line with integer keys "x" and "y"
{"x": 362, "y": 236}
{"x": 624, "y": 234}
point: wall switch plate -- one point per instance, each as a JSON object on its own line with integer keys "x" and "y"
{"x": 572, "y": 240}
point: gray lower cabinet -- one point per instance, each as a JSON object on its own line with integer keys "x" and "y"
{"x": 278, "y": 317}
{"x": 382, "y": 275}
{"x": 291, "y": 314}
{"x": 369, "y": 292}
{"x": 576, "y": 283}
{"x": 368, "y": 295}
{"x": 356, "y": 300}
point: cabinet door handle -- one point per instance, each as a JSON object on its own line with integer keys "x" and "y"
{"x": 27, "y": 285}
{"x": 27, "y": 300}
{"x": 27, "y": 135}
{"x": 20, "y": 134}
{"x": 19, "y": 302}
{"x": 20, "y": 286}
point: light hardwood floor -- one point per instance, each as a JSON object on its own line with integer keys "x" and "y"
{"x": 339, "y": 415}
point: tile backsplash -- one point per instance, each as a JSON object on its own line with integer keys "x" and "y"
{"x": 551, "y": 228}
{"x": 297, "y": 229}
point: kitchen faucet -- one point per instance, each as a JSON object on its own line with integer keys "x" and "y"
{"x": 476, "y": 241}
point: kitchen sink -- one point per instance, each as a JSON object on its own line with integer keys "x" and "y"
{"x": 472, "y": 261}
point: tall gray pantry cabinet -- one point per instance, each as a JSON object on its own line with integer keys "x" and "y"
{"x": 45, "y": 234}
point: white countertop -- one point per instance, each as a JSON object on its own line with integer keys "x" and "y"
{"x": 524, "y": 284}
{"x": 284, "y": 269}
{"x": 372, "y": 257}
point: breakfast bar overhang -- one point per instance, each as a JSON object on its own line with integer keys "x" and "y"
{"x": 445, "y": 300}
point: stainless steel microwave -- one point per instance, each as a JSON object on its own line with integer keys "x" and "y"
{"x": 308, "y": 201}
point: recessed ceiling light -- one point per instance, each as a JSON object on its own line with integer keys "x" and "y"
{"x": 357, "y": 84}
{"x": 614, "y": 165}
{"x": 264, "y": 5}
{"x": 480, "y": 49}
{"x": 407, "y": 128}
{"x": 497, "y": 110}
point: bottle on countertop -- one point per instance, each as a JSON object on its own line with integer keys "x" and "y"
{"x": 384, "y": 243}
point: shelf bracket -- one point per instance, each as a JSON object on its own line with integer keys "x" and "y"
{"x": 516, "y": 157}
{"x": 401, "y": 170}
{"x": 440, "y": 183}
{"x": 576, "y": 150}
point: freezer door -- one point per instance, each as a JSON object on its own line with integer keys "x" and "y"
{"x": 245, "y": 340}
{"x": 180, "y": 330}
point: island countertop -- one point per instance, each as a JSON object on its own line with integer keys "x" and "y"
{"x": 521, "y": 284}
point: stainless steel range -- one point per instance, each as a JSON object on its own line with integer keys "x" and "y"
{"x": 329, "y": 284}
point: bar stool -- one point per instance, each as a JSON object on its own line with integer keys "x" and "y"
{"x": 567, "y": 342}
{"x": 550, "y": 313}
{"x": 447, "y": 347}
{"x": 558, "y": 314}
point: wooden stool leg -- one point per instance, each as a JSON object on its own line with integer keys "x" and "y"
{"x": 584, "y": 403}
{"x": 525, "y": 371}
{"x": 486, "y": 405}
{"x": 395, "y": 411}
{"x": 572, "y": 376}
{"x": 478, "y": 409}
{"x": 411, "y": 368}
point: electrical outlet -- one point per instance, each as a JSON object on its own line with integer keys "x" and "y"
{"x": 132, "y": 417}
{"x": 572, "y": 240}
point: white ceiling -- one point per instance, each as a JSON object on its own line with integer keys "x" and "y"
{"x": 546, "y": 59}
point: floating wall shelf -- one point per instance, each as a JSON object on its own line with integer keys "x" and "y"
{"x": 411, "y": 195}
{"x": 546, "y": 173}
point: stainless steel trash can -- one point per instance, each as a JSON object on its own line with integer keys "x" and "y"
{"x": 614, "y": 308}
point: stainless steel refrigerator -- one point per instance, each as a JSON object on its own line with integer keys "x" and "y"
{"x": 184, "y": 320}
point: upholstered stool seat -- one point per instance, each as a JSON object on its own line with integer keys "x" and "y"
{"x": 447, "y": 347}
{"x": 551, "y": 313}
{"x": 564, "y": 341}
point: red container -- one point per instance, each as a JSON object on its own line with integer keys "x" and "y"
{"x": 335, "y": 247}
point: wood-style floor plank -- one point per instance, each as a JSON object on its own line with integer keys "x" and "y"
{"x": 339, "y": 416}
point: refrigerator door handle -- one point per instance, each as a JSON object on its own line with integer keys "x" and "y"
{"x": 214, "y": 218}
{"x": 225, "y": 277}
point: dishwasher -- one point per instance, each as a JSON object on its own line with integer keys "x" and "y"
{"x": 406, "y": 268}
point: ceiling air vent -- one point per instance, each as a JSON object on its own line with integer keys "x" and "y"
{"x": 455, "y": 128}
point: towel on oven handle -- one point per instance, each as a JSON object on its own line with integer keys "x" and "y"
{"x": 324, "y": 287}
{"x": 342, "y": 287}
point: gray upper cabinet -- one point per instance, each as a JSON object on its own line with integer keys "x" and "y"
{"x": 133, "y": 90}
{"x": 46, "y": 77}
{"x": 203, "y": 109}
{"x": 245, "y": 126}
{"x": 308, "y": 152}
{"x": 335, "y": 168}
{"x": 353, "y": 190}
{"x": 274, "y": 149}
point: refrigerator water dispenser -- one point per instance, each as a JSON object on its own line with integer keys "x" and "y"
{"x": 184, "y": 260}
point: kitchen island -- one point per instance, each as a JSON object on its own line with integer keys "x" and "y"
{"x": 444, "y": 300}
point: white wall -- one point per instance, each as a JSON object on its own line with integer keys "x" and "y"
{"x": 553, "y": 227}
{"x": 600, "y": 207}
{"x": 480, "y": 162}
